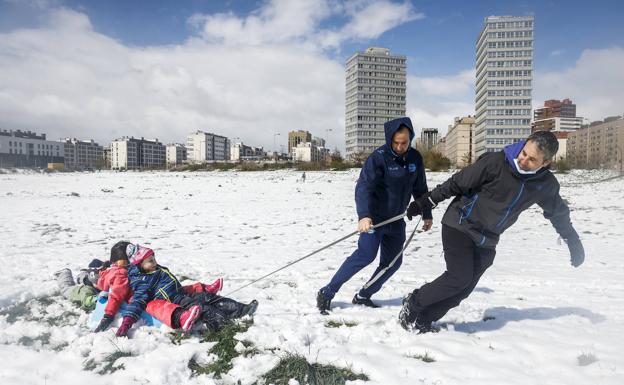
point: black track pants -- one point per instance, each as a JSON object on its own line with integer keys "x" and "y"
{"x": 216, "y": 311}
{"x": 465, "y": 264}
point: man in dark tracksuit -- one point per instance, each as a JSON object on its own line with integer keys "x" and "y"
{"x": 488, "y": 198}
{"x": 391, "y": 174}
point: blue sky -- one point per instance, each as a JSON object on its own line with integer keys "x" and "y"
{"x": 168, "y": 39}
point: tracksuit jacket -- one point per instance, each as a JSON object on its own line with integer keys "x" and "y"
{"x": 387, "y": 180}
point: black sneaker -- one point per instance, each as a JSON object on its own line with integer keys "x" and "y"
{"x": 424, "y": 327}
{"x": 357, "y": 300}
{"x": 323, "y": 303}
{"x": 407, "y": 315}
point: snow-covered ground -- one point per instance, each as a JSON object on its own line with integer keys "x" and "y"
{"x": 546, "y": 322}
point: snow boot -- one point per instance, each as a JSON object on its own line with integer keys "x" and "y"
{"x": 214, "y": 287}
{"x": 409, "y": 317}
{"x": 188, "y": 317}
{"x": 408, "y": 314}
{"x": 64, "y": 278}
{"x": 323, "y": 303}
{"x": 250, "y": 308}
{"x": 357, "y": 300}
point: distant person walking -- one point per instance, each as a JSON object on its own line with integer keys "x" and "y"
{"x": 303, "y": 176}
{"x": 488, "y": 196}
{"x": 390, "y": 176}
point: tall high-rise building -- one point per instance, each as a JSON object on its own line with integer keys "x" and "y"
{"x": 504, "y": 82}
{"x": 375, "y": 93}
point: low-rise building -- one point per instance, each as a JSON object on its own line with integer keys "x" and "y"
{"x": 309, "y": 152}
{"x": 175, "y": 154}
{"x": 137, "y": 154}
{"x": 599, "y": 145}
{"x": 459, "y": 148}
{"x": 27, "y": 149}
{"x": 82, "y": 155}
{"x": 297, "y": 137}
{"x": 205, "y": 147}
{"x": 241, "y": 152}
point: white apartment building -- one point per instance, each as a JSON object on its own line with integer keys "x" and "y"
{"x": 375, "y": 94}
{"x": 175, "y": 154}
{"x": 564, "y": 123}
{"x": 207, "y": 147}
{"x": 309, "y": 152}
{"x": 80, "y": 154}
{"x": 137, "y": 154}
{"x": 27, "y": 149}
{"x": 459, "y": 148}
{"x": 504, "y": 82}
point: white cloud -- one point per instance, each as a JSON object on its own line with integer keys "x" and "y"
{"x": 557, "y": 52}
{"x": 247, "y": 77}
{"x": 594, "y": 83}
{"x": 436, "y": 101}
{"x": 368, "y": 20}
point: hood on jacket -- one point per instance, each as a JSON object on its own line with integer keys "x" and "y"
{"x": 511, "y": 153}
{"x": 392, "y": 126}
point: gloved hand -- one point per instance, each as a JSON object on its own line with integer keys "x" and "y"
{"x": 126, "y": 324}
{"x": 577, "y": 252}
{"x": 417, "y": 206}
{"x": 105, "y": 323}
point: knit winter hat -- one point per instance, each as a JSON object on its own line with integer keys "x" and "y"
{"x": 137, "y": 253}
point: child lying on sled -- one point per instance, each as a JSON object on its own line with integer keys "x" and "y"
{"x": 150, "y": 281}
{"x": 112, "y": 277}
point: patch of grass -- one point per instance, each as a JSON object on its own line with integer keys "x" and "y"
{"x": 44, "y": 339}
{"x": 89, "y": 364}
{"x": 297, "y": 367}
{"x": 224, "y": 349}
{"x": 586, "y": 358}
{"x": 108, "y": 361}
{"x": 177, "y": 336}
{"x": 423, "y": 357}
{"x": 63, "y": 319}
{"x": 16, "y": 311}
{"x": 36, "y": 310}
{"x": 337, "y": 324}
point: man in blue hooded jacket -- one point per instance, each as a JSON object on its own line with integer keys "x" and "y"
{"x": 391, "y": 174}
{"x": 489, "y": 195}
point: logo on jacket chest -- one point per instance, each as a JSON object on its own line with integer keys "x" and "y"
{"x": 412, "y": 167}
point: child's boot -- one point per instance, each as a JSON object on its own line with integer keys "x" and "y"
{"x": 188, "y": 317}
{"x": 214, "y": 287}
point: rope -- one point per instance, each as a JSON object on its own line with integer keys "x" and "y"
{"x": 383, "y": 271}
{"x": 393, "y": 219}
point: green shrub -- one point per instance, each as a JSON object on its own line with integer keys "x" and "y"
{"x": 297, "y": 367}
{"x": 434, "y": 161}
